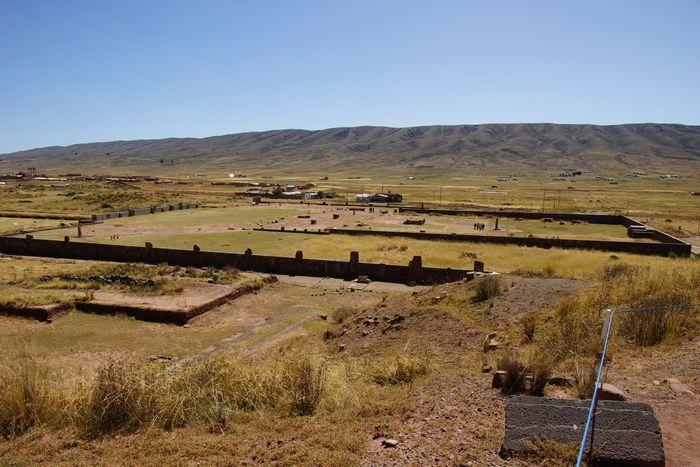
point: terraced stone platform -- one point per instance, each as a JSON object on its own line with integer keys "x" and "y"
{"x": 625, "y": 433}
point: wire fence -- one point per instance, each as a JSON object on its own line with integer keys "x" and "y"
{"x": 607, "y": 329}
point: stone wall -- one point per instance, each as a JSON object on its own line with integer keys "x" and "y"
{"x": 644, "y": 248}
{"x": 142, "y": 211}
{"x": 414, "y": 273}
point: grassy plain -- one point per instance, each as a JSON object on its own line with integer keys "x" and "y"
{"x": 418, "y": 379}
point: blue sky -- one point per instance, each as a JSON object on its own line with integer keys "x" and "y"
{"x": 81, "y": 71}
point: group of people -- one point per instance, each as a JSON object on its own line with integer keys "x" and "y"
{"x": 479, "y": 226}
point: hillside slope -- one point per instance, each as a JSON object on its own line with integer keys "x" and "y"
{"x": 450, "y": 149}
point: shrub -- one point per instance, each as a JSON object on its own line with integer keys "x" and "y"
{"x": 487, "y": 287}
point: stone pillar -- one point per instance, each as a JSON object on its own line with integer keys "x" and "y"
{"x": 248, "y": 252}
{"x": 478, "y": 265}
{"x": 299, "y": 255}
{"x": 354, "y": 257}
{"x": 66, "y": 239}
{"x": 496, "y": 228}
{"x": 195, "y": 249}
{"x": 80, "y": 232}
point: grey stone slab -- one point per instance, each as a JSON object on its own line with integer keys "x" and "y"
{"x": 624, "y": 433}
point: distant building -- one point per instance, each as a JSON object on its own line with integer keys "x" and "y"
{"x": 386, "y": 198}
{"x": 362, "y": 197}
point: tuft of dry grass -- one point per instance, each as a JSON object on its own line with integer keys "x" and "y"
{"x": 401, "y": 368}
{"x": 127, "y": 395}
{"x": 515, "y": 371}
{"x": 529, "y": 376}
{"x": 305, "y": 380}
{"x": 540, "y": 368}
{"x": 342, "y": 314}
{"x": 528, "y": 326}
{"x": 31, "y": 394}
{"x": 585, "y": 376}
{"x": 487, "y": 288}
{"x": 546, "y": 271}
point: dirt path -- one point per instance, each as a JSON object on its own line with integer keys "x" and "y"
{"x": 680, "y": 430}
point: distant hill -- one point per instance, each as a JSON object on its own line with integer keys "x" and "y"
{"x": 454, "y": 149}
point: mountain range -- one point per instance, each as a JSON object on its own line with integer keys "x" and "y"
{"x": 448, "y": 149}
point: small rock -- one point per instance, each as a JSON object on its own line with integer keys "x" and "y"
{"x": 678, "y": 387}
{"x": 390, "y": 443}
{"x": 561, "y": 381}
{"x": 341, "y": 347}
{"x": 486, "y": 368}
{"x": 493, "y": 344}
{"x": 365, "y": 332}
{"x": 656, "y": 382}
{"x": 610, "y": 392}
{"x": 323, "y": 317}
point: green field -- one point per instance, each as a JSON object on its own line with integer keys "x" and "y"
{"x": 16, "y": 224}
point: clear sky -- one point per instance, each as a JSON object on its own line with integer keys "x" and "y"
{"x": 80, "y": 71}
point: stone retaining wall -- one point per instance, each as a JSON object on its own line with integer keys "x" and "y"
{"x": 414, "y": 273}
{"x": 142, "y": 211}
{"x": 644, "y": 248}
